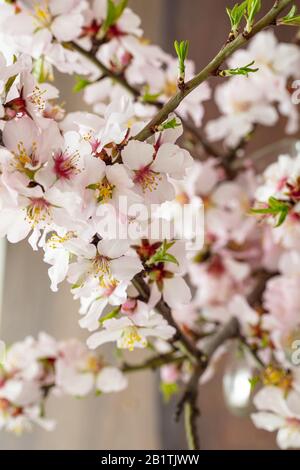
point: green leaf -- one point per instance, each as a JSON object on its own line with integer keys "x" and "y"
{"x": 110, "y": 315}
{"x": 236, "y": 14}
{"x": 254, "y": 381}
{"x": 245, "y": 70}
{"x": 114, "y": 12}
{"x": 276, "y": 208}
{"x": 162, "y": 256}
{"x": 253, "y": 7}
{"x": 80, "y": 84}
{"x": 168, "y": 390}
{"x": 171, "y": 124}
{"x": 9, "y": 84}
{"x": 281, "y": 217}
{"x": 181, "y": 49}
{"x": 291, "y": 19}
{"x": 149, "y": 97}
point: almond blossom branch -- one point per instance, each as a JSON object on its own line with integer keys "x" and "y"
{"x": 268, "y": 20}
{"x": 121, "y": 80}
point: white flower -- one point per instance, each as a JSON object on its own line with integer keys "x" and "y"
{"x": 150, "y": 168}
{"x": 132, "y": 331}
{"x": 74, "y": 372}
{"x": 243, "y": 105}
{"x": 277, "y": 412}
{"x": 111, "y": 379}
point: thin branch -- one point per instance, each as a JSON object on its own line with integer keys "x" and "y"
{"x": 118, "y": 78}
{"x": 268, "y": 20}
{"x": 195, "y": 133}
{"x": 262, "y": 277}
{"x": 190, "y": 423}
{"x": 252, "y": 350}
{"x": 153, "y": 363}
{"x": 188, "y": 402}
{"x": 184, "y": 344}
{"x": 121, "y": 80}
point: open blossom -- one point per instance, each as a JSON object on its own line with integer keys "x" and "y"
{"x": 276, "y": 412}
{"x": 247, "y": 102}
{"x": 242, "y": 105}
{"x": 281, "y": 181}
{"x": 277, "y": 62}
{"x": 63, "y": 21}
{"x": 132, "y": 330}
{"x": 282, "y": 301}
{"x": 63, "y": 181}
{"x": 34, "y": 368}
{"x": 106, "y": 262}
{"x": 151, "y": 165}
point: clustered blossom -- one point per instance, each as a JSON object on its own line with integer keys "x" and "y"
{"x": 261, "y": 97}
{"x": 64, "y": 179}
{"x": 35, "y": 368}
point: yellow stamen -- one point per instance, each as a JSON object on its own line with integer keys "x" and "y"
{"x": 130, "y": 337}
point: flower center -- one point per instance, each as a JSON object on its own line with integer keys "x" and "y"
{"x": 92, "y": 364}
{"x": 25, "y": 161}
{"x": 241, "y": 106}
{"x": 38, "y": 210}
{"x": 65, "y": 164}
{"x": 101, "y": 268}
{"x": 147, "y": 179}
{"x": 182, "y": 198}
{"x": 42, "y": 14}
{"x": 37, "y": 99}
{"x": 130, "y": 337}
{"x": 103, "y": 190}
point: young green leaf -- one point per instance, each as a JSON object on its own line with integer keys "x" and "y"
{"x": 239, "y": 70}
{"x": 253, "y": 7}
{"x": 149, "y": 97}
{"x": 114, "y": 12}
{"x": 80, "y": 84}
{"x": 181, "y": 49}
{"x": 162, "y": 256}
{"x": 254, "y": 381}
{"x": 110, "y": 315}
{"x": 235, "y": 16}
{"x": 278, "y": 209}
{"x": 291, "y": 19}
{"x": 171, "y": 124}
{"x": 9, "y": 84}
{"x": 168, "y": 390}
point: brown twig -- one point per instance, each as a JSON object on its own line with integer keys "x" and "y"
{"x": 209, "y": 70}
{"x": 188, "y": 401}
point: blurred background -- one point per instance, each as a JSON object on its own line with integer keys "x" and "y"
{"x": 136, "y": 418}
